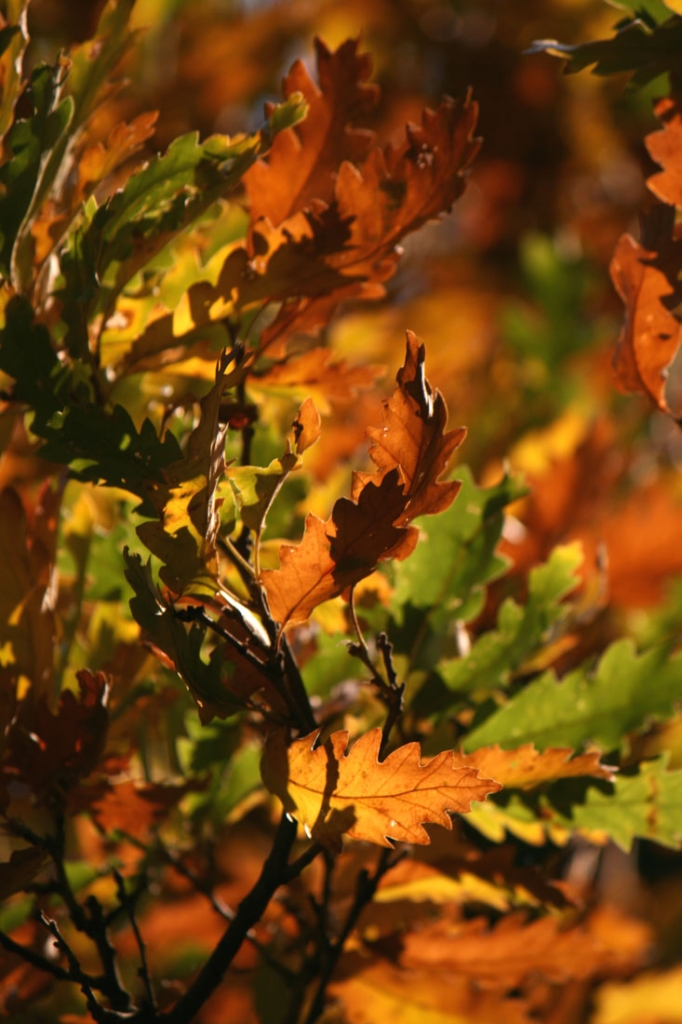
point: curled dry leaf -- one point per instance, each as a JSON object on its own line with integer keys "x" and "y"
{"x": 306, "y": 426}
{"x": 412, "y": 451}
{"x": 333, "y": 791}
{"x": 650, "y": 336}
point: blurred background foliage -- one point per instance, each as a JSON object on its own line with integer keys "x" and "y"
{"x": 511, "y": 295}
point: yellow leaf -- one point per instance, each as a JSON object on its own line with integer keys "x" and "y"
{"x": 332, "y": 791}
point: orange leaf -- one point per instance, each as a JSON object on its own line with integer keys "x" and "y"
{"x": 124, "y": 140}
{"x": 411, "y": 451}
{"x": 651, "y": 334}
{"x": 401, "y": 187}
{"x": 335, "y": 554}
{"x": 412, "y": 439}
{"x": 306, "y": 426}
{"x": 513, "y": 951}
{"x": 527, "y": 767}
{"x": 332, "y": 380}
{"x": 332, "y": 791}
{"x": 372, "y": 990}
{"x": 303, "y": 160}
{"x": 665, "y": 147}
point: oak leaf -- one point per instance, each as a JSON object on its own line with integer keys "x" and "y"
{"x": 527, "y": 767}
{"x": 412, "y": 453}
{"x": 665, "y": 147}
{"x": 332, "y": 791}
{"x": 51, "y": 752}
{"x": 185, "y": 534}
{"x": 302, "y": 161}
{"x": 316, "y": 372}
{"x": 514, "y": 951}
{"x": 403, "y": 186}
{"x": 413, "y": 440}
{"x": 371, "y": 990}
{"x": 650, "y": 336}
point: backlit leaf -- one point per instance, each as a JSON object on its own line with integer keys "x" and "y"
{"x": 650, "y": 336}
{"x": 303, "y": 160}
{"x": 526, "y": 767}
{"x": 412, "y": 455}
{"x": 601, "y": 706}
{"x": 521, "y": 629}
{"x": 333, "y": 791}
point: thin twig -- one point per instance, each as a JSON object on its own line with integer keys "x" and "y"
{"x": 34, "y": 959}
{"x": 249, "y": 912}
{"x": 390, "y": 692}
{"x": 364, "y": 893}
{"x": 128, "y": 903}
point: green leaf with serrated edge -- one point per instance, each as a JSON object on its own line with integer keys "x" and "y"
{"x": 107, "y": 443}
{"x": 521, "y": 629}
{"x": 184, "y": 535}
{"x": 183, "y": 646}
{"x": 646, "y": 50}
{"x": 455, "y": 557}
{"x": 644, "y": 805}
{"x": 30, "y": 141}
{"x": 601, "y": 706}
{"x": 647, "y": 805}
{"x": 155, "y": 204}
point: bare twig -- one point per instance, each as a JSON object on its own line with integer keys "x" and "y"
{"x": 127, "y": 901}
{"x": 250, "y": 910}
{"x": 389, "y": 690}
{"x": 364, "y": 893}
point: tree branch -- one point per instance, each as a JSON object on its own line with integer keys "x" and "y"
{"x": 273, "y": 875}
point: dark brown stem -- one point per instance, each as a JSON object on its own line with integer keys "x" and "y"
{"x": 127, "y": 901}
{"x": 364, "y": 893}
{"x": 389, "y": 690}
{"x": 275, "y": 873}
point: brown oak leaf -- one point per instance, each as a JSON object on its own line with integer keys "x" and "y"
{"x": 665, "y": 147}
{"x": 339, "y": 552}
{"x": 333, "y": 791}
{"x": 413, "y": 439}
{"x": 650, "y": 336}
{"x": 302, "y": 161}
{"x": 411, "y": 451}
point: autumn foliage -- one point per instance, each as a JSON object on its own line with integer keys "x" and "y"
{"x": 340, "y": 593}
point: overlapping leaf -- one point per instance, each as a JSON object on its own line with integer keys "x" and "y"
{"x": 526, "y": 767}
{"x": 456, "y": 555}
{"x": 184, "y": 536}
{"x": 414, "y": 452}
{"x": 599, "y": 707}
{"x": 302, "y": 163}
{"x": 520, "y": 631}
{"x": 332, "y": 791}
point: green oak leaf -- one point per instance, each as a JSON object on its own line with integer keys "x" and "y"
{"x": 521, "y": 629}
{"x": 598, "y": 706}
